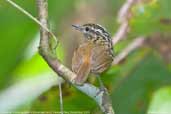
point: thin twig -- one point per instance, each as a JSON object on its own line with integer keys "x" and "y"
{"x": 60, "y": 97}
{"x": 121, "y": 33}
{"x": 123, "y": 19}
{"x": 31, "y": 17}
{"x": 123, "y": 14}
{"x": 138, "y": 42}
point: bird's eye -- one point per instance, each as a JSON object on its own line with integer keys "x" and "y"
{"x": 87, "y": 29}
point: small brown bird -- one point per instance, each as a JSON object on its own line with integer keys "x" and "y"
{"x": 94, "y": 55}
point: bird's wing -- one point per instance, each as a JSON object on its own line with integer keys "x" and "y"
{"x": 81, "y": 63}
{"x": 101, "y": 59}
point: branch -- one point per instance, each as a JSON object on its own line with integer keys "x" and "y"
{"x": 124, "y": 12}
{"x": 101, "y": 97}
{"x": 44, "y": 48}
{"x": 121, "y": 33}
{"x": 123, "y": 19}
{"x": 124, "y": 16}
{"x": 138, "y": 42}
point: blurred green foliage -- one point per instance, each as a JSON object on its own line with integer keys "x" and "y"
{"x": 132, "y": 84}
{"x": 135, "y": 91}
{"x": 147, "y": 17}
{"x": 16, "y": 32}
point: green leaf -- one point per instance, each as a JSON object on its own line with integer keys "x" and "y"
{"x": 161, "y": 101}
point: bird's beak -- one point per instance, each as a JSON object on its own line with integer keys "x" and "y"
{"x": 77, "y": 27}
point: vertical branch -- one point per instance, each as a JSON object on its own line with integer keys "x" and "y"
{"x": 44, "y": 48}
{"x": 43, "y": 16}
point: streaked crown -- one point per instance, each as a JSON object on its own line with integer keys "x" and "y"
{"x": 93, "y": 31}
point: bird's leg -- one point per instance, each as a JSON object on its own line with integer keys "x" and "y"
{"x": 102, "y": 87}
{"x": 100, "y": 81}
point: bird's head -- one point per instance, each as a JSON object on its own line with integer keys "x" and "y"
{"x": 93, "y": 31}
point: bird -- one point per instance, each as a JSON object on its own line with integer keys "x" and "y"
{"x": 94, "y": 55}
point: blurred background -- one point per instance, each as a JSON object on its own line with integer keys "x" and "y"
{"x": 139, "y": 84}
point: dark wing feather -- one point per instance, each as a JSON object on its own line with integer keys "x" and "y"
{"x": 101, "y": 59}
